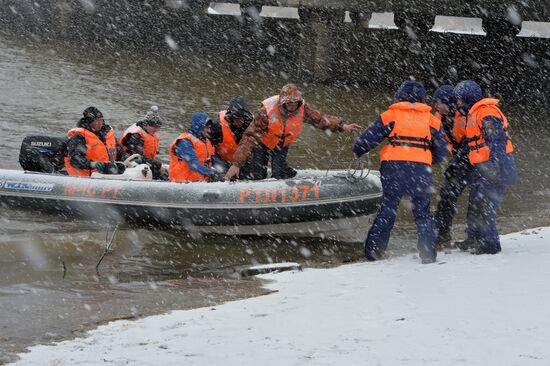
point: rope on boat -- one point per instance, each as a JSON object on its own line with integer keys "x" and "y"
{"x": 357, "y": 171}
{"x": 108, "y": 243}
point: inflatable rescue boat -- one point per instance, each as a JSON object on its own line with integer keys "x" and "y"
{"x": 314, "y": 203}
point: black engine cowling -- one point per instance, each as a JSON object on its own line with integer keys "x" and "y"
{"x": 43, "y": 153}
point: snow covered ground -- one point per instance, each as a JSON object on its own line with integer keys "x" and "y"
{"x": 462, "y": 310}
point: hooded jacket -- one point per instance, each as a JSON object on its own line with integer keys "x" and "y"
{"x": 454, "y": 133}
{"x": 259, "y": 126}
{"x": 238, "y": 108}
{"x": 186, "y": 162}
{"x": 499, "y": 167}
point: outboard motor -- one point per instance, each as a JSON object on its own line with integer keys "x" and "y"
{"x": 43, "y": 154}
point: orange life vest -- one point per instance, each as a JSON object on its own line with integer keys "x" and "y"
{"x": 279, "y": 132}
{"x": 150, "y": 142}
{"x": 459, "y": 127}
{"x": 228, "y": 146}
{"x": 410, "y": 139}
{"x": 96, "y": 150}
{"x": 478, "y": 149}
{"x": 180, "y": 170}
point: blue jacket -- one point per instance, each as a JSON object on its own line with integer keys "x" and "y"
{"x": 184, "y": 148}
{"x": 501, "y": 167}
{"x": 419, "y": 175}
{"x": 377, "y": 132}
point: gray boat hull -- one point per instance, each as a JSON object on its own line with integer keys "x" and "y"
{"x": 308, "y": 205}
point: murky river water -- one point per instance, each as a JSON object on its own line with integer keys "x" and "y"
{"x": 49, "y": 289}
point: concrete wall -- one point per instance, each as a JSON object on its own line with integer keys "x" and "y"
{"x": 318, "y": 46}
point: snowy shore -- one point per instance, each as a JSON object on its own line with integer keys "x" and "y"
{"x": 464, "y": 309}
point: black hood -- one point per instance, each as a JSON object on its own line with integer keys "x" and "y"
{"x": 239, "y": 108}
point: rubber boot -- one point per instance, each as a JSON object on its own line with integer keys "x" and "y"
{"x": 467, "y": 244}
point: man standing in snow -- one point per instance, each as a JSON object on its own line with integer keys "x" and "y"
{"x": 459, "y": 172}
{"x": 276, "y": 125}
{"x": 490, "y": 152}
{"x": 415, "y": 141}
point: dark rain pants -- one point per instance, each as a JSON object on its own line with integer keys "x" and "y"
{"x": 485, "y": 199}
{"x": 256, "y": 167}
{"x": 458, "y": 175}
{"x": 399, "y": 179}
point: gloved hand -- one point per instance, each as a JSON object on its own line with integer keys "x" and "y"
{"x": 120, "y": 167}
{"x": 216, "y": 177}
{"x": 290, "y": 172}
{"x": 490, "y": 171}
{"x": 106, "y": 168}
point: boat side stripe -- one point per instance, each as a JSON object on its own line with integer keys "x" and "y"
{"x": 191, "y": 205}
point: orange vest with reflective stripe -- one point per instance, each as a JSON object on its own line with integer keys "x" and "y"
{"x": 459, "y": 127}
{"x": 180, "y": 170}
{"x": 479, "y": 151}
{"x": 150, "y": 142}
{"x": 96, "y": 150}
{"x": 227, "y": 147}
{"x": 280, "y": 132}
{"x": 411, "y": 138}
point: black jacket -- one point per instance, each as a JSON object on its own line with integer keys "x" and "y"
{"x": 237, "y": 108}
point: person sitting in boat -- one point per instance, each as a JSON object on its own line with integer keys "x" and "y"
{"x": 191, "y": 152}
{"x": 141, "y": 138}
{"x": 228, "y": 130}
{"x": 92, "y": 147}
{"x": 276, "y": 125}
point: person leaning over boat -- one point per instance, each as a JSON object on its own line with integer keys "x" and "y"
{"x": 228, "y": 130}
{"x": 415, "y": 141}
{"x": 92, "y": 147}
{"x": 459, "y": 172}
{"x": 490, "y": 152}
{"x": 141, "y": 138}
{"x": 276, "y": 125}
{"x": 191, "y": 152}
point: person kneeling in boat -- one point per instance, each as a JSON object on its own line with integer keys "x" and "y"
{"x": 141, "y": 138}
{"x": 415, "y": 141}
{"x": 276, "y": 125}
{"x": 228, "y": 131}
{"x": 191, "y": 152}
{"x": 92, "y": 147}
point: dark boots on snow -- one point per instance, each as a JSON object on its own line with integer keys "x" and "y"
{"x": 443, "y": 241}
{"x": 467, "y": 244}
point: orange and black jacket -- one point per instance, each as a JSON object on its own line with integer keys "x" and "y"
{"x": 136, "y": 140}
{"x": 85, "y": 146}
